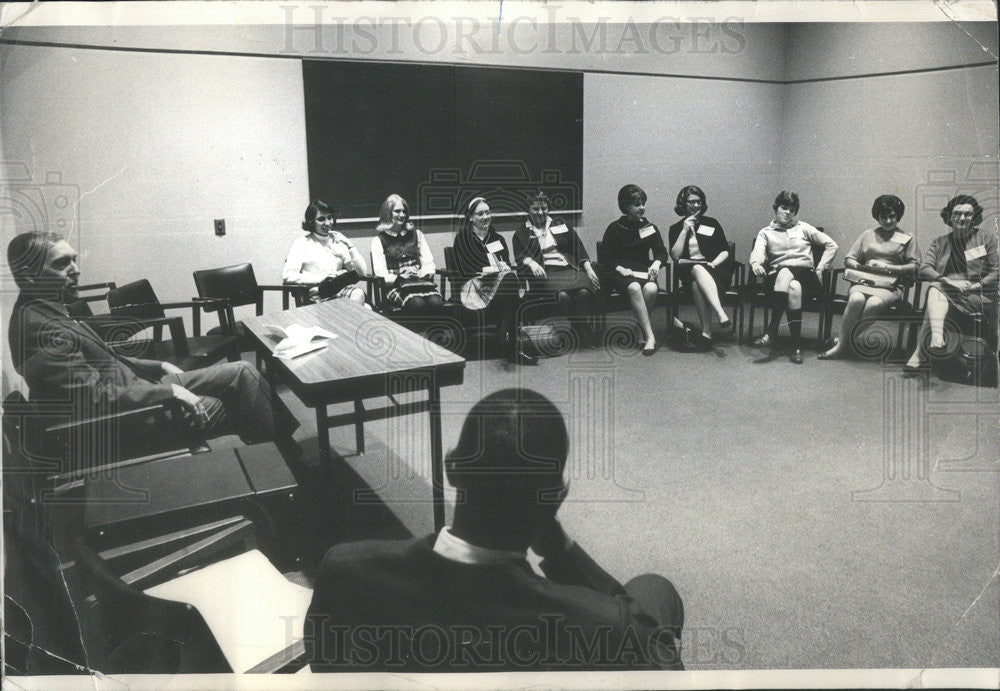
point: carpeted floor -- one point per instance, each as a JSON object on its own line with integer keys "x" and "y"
{"x": 828, "y": 515}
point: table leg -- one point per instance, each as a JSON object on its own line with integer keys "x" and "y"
{"x": 437, "y": 461}
{"x": 359, "y": 426}
{"x": 323, "y": 437}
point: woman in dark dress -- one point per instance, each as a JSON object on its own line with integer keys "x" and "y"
{"x": 625, "y": 253}
{"x": 488, "y": 281}
{"x": 962, "y": 268}
{"x": 700, "y": 252}
{"x": 402, "y": 258}
{"x": 557, "y": 264}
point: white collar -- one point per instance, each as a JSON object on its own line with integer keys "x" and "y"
{"x": 456, "y": 549}
{"x": 538, "y": 231}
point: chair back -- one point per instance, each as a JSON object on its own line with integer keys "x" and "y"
{"x": 136, "y": 299}
{"x": 451, "y": 267}
{"x": 236, "y": 283}
{"x": 138, "y": 632}
{"x": 817, "y": 250}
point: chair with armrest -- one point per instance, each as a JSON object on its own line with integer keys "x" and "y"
{"x": 732, "y": 297}
{"x": 59, "y": 447}
{"x": 820, "y": 304}
{"x": 468, "y": 326}
{"x": 904, "y": 313}
{"x": 232, "y": 612}
{"x": 138, "y": 301}
{"x": 81, "y": 306}
{"x": 613, "y": 300}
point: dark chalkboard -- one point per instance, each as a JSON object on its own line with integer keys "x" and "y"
{"x": 441, "y": 134}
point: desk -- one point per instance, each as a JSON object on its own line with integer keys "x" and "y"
{"x": 371, "y": 357}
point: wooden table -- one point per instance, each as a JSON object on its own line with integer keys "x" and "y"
{"x": 371, "y": 357}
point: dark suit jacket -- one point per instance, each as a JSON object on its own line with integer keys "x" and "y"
{"x": 64, "y": 361}
{"x": 398, "y": 605}
{"x": 568, "y": 243}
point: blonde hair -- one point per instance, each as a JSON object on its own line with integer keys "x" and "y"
{"x": 385, "y": 213}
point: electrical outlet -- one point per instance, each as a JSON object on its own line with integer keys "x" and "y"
{"x": 220, "y": 226}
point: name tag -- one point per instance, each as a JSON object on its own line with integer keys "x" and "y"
{"x": 647, "y": 231}
{"x": 901, "y": 238}
{"x": 494, "y": 247}
{"x": 561, "y": 228}
{"x": 975, "y": 252}
{"x": 547, "y": 241}
{"x": 707, "y": 231}
{"x": 795, "y": 233}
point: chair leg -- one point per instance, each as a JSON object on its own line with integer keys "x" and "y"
{"x": 359, "y": 425}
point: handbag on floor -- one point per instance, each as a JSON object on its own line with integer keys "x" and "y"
{"x": 872, "y": 280}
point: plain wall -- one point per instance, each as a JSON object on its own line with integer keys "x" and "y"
{"x": 663, "y": 133}
{"x": 924, "y": 136}
{"x": 831, "y": 50}
{"x": 155, "y": 147}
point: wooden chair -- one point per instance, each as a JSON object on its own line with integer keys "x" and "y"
{"x": 138, "y": 301}
{"x": 237, "y": 286}
{"x": 732, "y": 297}
{"x": 610, "y": 299}
{"x": 81, "y": 306}
{"x": 59, "y": 448}
{"x": 905, "y": 314}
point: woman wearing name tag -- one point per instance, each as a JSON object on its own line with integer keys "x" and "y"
{"x": 783, "y": 253}
{"x": 489, "y": 282}
{"x": 403, "y": 259}
{"x": 558, "y": 263}
{"x": 700, "y": 252}
{"x": 625, "y": 251}
{"x": 876, "y": 262}
{"x": 962, "y": 267}
{"x": 324, "y": 259}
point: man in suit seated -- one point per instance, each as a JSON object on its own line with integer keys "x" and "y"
{"x": 65, "y": 362}
{"x": 467, "y": 599}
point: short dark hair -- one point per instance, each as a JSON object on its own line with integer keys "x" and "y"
{"x": 631, "y": 194}
{"x": 513, "y": 445}
{"x": 680, "y": 206}
{"x": 536, "y": 196}
{"x": 977, "y": 211}
{"x": 312, "y": 211}
{"x": 26, "y": 254}
{"x": 786, "y": 198}
{"x": 886, "y": 203}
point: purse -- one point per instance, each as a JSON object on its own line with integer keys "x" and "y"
{"x": 866, "y": 278}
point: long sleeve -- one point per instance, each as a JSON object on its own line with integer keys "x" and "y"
{"x": 610, "y": 256}
{"x": 469, "y": 256}
{"x": 758, "y": 255}
{"x": 928, "y": 270}
{"x": 818, "y": 237}
{"x": 574, "y": 566}
{"x": 659, "y": 249}
{"x": 991, "y": 275}
{"x": 85, "y": 371}
{"x": 427, "y": 265}
{"x": 379, "y": 267}
{"x": 855, "y": 253}
{"x": 298, "y": 256}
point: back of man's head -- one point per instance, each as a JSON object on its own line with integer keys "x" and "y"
{"x": 510, "y": 454}
{"x": 27, "y": 252}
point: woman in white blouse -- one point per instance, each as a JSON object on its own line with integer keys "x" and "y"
{"x": 322, "y": 256}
